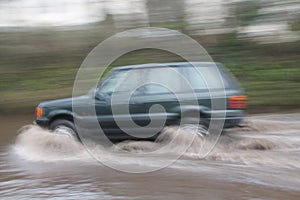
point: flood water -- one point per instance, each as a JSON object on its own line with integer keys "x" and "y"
{"x": 260, "y": 160}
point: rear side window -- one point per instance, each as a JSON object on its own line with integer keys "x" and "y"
{"x": 163, "y": 80}
{"x": 204, "y": 78}
{"x": 155, "y": 89}
{"x": 194, "y": 78}
{"x": 182, "y": 79}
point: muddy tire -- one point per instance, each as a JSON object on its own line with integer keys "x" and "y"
{"x": 64, "y": 127}
{"x": 190, "y": 119}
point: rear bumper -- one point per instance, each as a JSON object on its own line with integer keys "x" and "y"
{"x": 231, "y": 122}
{"x": 231, "y": 118}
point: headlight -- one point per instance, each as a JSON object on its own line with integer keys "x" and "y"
{"x": 39, "y": 112}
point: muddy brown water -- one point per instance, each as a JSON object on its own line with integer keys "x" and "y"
{"x": 260, "y": 160}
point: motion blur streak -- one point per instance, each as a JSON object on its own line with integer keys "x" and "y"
{"x": 45, "y": 42}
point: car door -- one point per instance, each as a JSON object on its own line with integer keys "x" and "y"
{"x": 157, "y": 98}
{"x": 119, "y": 113}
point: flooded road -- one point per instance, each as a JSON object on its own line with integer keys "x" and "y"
{"x": 259, "y": 160}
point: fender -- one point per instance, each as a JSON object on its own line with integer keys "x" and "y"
{"x": 54, "y": 113}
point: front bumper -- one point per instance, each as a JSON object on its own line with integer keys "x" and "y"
{"x": 43, "y": 122}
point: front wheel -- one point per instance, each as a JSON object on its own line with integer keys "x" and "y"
{"x": 64, "y": 127}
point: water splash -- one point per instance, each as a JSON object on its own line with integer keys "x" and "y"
{"x": 257, "y": 142}
{"x": 172, "y": 140}
{"x": 35, "y": 143}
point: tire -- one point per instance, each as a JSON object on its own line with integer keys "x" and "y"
{"x": 64, "y": 127}
{"x": 192, "y": 119}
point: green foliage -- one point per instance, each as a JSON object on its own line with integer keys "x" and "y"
{"x": 38, "y": 65}
{"x": 269, "y": 73}
{"x": 246, "y": 11}
{"x": 295, "y": 24}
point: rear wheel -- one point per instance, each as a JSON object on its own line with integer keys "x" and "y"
{"x": 192, "y": 119}
{"x": 64, "y": 127}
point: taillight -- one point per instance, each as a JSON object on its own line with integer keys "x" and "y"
{"x": 238, "y": 102}
{"x": 39, "y": 112}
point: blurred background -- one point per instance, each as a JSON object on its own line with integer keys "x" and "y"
{"x": 43, "y": 42}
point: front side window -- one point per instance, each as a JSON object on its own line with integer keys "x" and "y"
{"x": 122, "y": 81}
{"x": 110, "y": 84}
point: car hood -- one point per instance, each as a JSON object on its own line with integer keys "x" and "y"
{"x": 65, "y": 102}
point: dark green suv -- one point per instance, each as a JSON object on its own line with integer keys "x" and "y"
{"x": 163, "y": 93}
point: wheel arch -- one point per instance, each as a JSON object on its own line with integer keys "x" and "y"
{"x": 181, "y": 110}
{"x": 195, "y": 113}
{"x": 61, "y": 115}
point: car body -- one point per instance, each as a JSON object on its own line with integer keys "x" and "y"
{"x": 163, "y": 87}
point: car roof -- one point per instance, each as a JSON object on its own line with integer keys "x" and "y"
{"x": 171, "y": 64}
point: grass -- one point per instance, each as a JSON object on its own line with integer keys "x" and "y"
{"x": 38, "y": 65}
